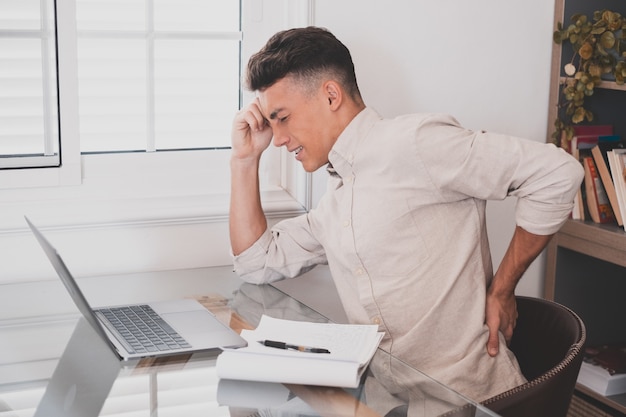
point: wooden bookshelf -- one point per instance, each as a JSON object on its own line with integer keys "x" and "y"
{"x": 586, "y": 262}
{"x": 586, "y": 271}
{"x": 606, "y": 85}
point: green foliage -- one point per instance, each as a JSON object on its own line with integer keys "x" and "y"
{"x": 600, "y": 50}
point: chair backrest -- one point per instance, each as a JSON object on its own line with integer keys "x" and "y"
{"x": 548, "y": 342}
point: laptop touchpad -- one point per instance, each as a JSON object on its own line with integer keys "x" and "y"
{"x": 193, "y": 322}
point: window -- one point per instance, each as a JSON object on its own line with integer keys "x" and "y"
{"x": 152, "y": 74}
{"x": 29, "y": 134}
{"x": 111, "y": 149}
{"x": 165, "y": 71}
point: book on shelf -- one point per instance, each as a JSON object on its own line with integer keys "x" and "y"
{"x": 617, "y": 164}
{"x": 600, "y": 157}
{"x": 350, "y": 349}
{"x": 586, "y": 137}
{"x": 611, "y": 357}
{"x": 604, "y": 369}
{"x": 579, "y": 211}
{"x": 597, "y": 200}
{"x": 593, "y": 130}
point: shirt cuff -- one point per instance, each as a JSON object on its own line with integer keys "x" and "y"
{"x": 249, "y": 264}
{"x": 542, "y": 219}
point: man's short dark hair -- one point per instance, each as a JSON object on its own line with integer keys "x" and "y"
{"x": 307, "y": 54}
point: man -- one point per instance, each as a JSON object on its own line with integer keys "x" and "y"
{"x": 402, "y": 224}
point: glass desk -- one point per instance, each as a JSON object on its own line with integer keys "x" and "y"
{"x": 89, "y": 379}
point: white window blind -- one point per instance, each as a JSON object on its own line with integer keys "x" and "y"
{"x": 29, "y": 128}
{"x": 152, "y": 75}
{"x": 157, "y": 74}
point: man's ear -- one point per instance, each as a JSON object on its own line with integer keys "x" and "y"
{"x": 334, "y": 94}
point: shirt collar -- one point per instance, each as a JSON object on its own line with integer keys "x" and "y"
{"x": 342, "y": 154}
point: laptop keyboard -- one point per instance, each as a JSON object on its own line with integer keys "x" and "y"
{"x": 143, "y": 329}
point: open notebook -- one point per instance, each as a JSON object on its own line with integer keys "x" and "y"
{"x": 348, "y": 349}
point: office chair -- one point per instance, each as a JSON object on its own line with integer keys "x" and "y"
{"x": 548, "y": 342}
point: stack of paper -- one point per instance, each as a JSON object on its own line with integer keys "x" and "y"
{"x": 600, "y": 380}
{"x": 351, "y": 349}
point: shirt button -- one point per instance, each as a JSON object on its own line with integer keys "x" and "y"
{"x": 376, "y": 320}
{"x": 358, "y": 271}
{"x": 349, "y": 179}
{"x": 346, "y": 223}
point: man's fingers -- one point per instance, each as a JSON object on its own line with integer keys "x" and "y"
{"x": 255, "y": 117}
{"x": 508, "y": 333}
{"x": 493, "y": 342}
{"x": 250, "y": 135}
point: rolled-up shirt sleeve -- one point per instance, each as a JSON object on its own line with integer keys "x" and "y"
{"x": 545, "y": 179}
{"x": 286, "y": 250}
{"x": 491, "y": 166}
{"x": 545, "y": 211}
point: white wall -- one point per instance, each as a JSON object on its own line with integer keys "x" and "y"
{"x": 125, "y": 214}
{"x": 487, "y": 62}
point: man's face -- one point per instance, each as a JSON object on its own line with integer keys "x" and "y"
{"x": 303, "y": 123}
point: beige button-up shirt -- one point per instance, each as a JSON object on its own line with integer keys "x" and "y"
{"x": 402, "y": 228}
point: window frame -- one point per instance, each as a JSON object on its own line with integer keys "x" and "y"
{"x": 139, "y": 187}
{"x": 46, "y": 154}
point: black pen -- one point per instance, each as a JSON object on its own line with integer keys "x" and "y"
{"x": 283, "y": 345}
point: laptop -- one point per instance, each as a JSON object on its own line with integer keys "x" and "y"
{"x": 169, "y": 327}
{"x": 83, "y": 378}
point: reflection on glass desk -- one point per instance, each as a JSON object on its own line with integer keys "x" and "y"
{"x": 89, "y": 379}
